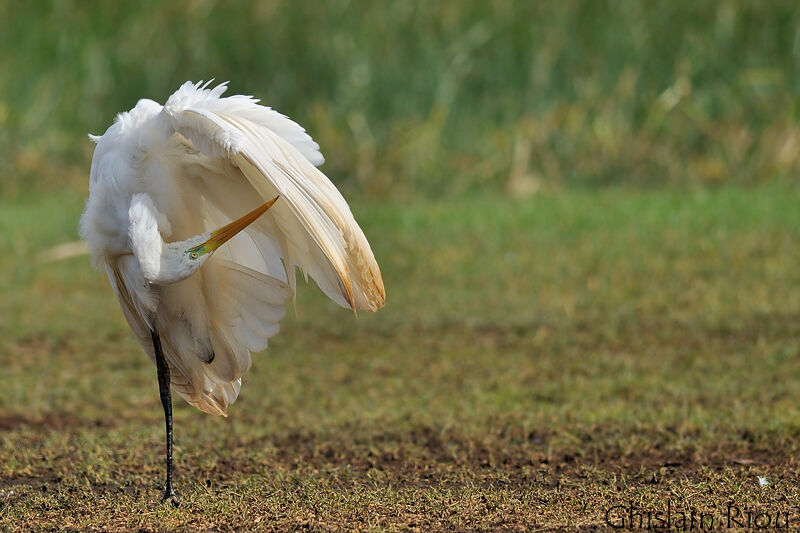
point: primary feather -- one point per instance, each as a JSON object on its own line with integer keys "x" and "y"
{"x": 193, "y": 165}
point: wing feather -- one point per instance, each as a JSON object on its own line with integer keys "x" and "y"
{"x": 312, "y": 225}
{"x": 205, "y": 160}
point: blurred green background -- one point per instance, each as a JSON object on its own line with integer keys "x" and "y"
{"x": 586, "y": 218}
{"x": 415, "y": 98}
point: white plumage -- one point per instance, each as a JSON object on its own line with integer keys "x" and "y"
{"x": 163, "y": 178}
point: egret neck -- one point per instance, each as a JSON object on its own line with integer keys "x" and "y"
{"x": 162, "y": 262}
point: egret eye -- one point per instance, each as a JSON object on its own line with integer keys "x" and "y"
{"x": 194, "y": 255}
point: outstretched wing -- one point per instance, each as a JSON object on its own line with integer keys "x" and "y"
{"x": 223, "y": 157}
{"x": 259, "y": 153}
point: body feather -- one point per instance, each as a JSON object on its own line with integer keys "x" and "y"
{"x": 191, "y": 166}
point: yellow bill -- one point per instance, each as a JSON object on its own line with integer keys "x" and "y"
{"x": 226, "y": 232}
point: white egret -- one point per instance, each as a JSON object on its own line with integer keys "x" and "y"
{"x": 162, "y": 178}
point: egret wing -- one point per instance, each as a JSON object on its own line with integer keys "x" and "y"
{"x": 205, "y": 160}
{"x": 265, "y": 154}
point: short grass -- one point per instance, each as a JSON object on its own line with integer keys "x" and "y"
{"x": 537, "y": 363}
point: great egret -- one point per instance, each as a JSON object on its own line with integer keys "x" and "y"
{"x": 162, "y": 178}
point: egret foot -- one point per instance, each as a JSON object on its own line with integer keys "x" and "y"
{"x": 170, "y": 496}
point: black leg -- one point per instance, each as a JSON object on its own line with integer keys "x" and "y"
{"x": 166, "y": 402}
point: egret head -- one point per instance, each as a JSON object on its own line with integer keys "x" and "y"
{"x": 170, "y": 262}
{"x": 219, "y": 237}
{"x": 197, "y": 254}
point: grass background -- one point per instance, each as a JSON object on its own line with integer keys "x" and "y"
{"x": 430, "y": 98}
{"x": 586, "y": 216}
